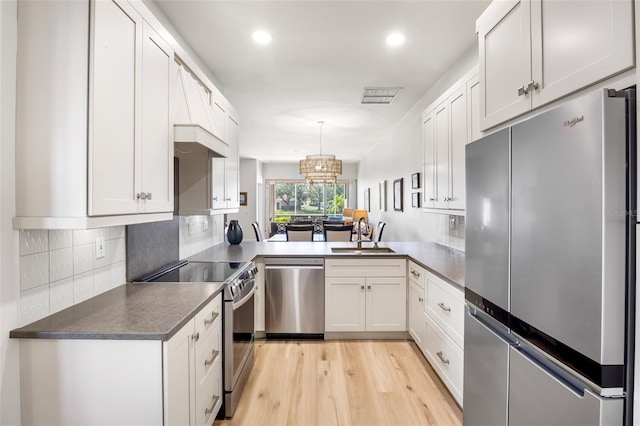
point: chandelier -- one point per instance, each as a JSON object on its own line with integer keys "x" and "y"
{"x": 320, "y": 169}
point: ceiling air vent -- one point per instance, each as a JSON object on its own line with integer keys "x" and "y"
{"x": 379, "y": 95}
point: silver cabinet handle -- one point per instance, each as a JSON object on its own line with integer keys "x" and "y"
{"x": 209, "y": 410}
{"x": 228, "y": 199}
{"x": 196, "y": 337}
{"x": 444, "y": 307}
{"x": 215, "y": 198}
{"x": 444, "y": 361}
{"x": 432, "y": 199}
{"x": 532, "y": 85}
{"x": 143, "y": 195}
{"x": 522, "y": 91}
{"x": 362, "y": 287}
{"x": 415, "y": 273}
{"x": 447, "y": 199}
{"x": 211, "y": 319}
{"x": 420, "y": 299}
{"x": 148, "y": 195}
{"x": 369, "y": 287}
{"x": 214, "y": 355}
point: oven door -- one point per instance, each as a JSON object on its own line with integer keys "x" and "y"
{"x": 239, "y": 332}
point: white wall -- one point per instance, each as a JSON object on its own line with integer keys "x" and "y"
{"x": 398, "y": 155}
{"x": 9, "y": 278}
{"x": 249, "y": 183}
{"x": 198, "y": 233}
{"x": 292, "y": 171}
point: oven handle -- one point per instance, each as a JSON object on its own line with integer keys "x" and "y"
{"x": 236, "y": 305}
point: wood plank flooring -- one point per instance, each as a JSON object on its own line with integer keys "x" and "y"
{"x": 340, "y": 382}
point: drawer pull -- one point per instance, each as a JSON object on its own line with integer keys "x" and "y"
{"x": 420, "y": 299}
{"x": 211, "y": 319}
{"x": 361, "y": 287}
{"x": 444, "y": 307}
{"x": 209, "y": 410}
{"x": 369, "y": 286}
{"x": 415, "y": 273}
{"x": 444, "y": 361}
{"x": 196, "y": 337}
{"x": 214, "y": 355}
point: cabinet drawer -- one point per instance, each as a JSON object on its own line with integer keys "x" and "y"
{"x": 417, "y": 274}
{"x": 445, "y": 306}
{"x": 376, "y": 267}
{"x": 446, "y": 358}
{"x": 208, "y": 353}
{"x": 209, "y": 395}
{"x": 208, "y": 317}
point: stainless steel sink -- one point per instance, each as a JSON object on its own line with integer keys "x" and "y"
{"x": 361, "y": 250}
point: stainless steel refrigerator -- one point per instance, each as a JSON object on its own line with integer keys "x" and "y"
{"x": 550, "y": 267}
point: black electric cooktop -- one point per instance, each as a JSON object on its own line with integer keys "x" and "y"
{"x": 209, "y": 272}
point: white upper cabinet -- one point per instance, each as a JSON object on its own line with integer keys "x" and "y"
{"x": 533, "y": 52}
{"x": 447, "y": 127}
{"x": 101, "y": 152}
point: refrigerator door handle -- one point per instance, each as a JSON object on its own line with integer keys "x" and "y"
{"x": 571, "y": 383}
{"x": 509, "y": 338}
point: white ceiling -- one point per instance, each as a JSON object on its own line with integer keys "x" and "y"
{"x": 322, "y": 55}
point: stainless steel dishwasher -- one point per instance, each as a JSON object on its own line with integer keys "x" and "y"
{"x": 294, "y": 306}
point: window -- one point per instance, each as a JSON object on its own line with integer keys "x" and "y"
{"x": 296, "y": 198}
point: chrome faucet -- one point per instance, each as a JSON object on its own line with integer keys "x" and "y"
{"x": 359, "y": 230}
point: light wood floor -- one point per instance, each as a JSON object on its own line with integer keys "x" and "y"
{"x": 343, "y": 383}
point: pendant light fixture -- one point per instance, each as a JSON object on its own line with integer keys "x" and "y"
{"x": 320, "y": 169}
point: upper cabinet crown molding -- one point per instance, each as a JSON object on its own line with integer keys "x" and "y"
{"x": 533, "y": 52}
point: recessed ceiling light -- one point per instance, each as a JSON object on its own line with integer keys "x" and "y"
{"x": 395, "y": 39}
{"x": 261, "y": 37}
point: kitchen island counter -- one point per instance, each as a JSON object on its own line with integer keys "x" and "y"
{"x": 441, "y": 260}
{"x": 139, "y": 311}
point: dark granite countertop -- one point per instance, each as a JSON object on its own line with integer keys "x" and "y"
{"x": 154, "y": 311}
{"x": 441, "y": 260}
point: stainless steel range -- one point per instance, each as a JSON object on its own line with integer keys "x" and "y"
{"x": 238, "y": 317}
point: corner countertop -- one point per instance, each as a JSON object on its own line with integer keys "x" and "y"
{"x": 443, "y": 261}
{"x": 139, "y": 311}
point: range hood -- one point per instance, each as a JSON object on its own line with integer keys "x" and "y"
{"x": 198, "y": 119}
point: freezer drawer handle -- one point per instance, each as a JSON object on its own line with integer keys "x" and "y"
{"x": 444, "y": 307}
{"x": 571, "y": 383}
{"x": 442, "y": 358}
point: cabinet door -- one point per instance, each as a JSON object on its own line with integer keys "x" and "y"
{"x": 441, "y": 132}
{"x": 218, "y": 183}
{"x": 178, "y": 357}
{"x": 428, "y": 141}
{"x": 157, "y": 130}
{"x": 344, "y": 304}
{"x": 473, "y": 109}
{"x": 457, "y": 141}
{"x": 386, "y": 304}
{"x": 504, "y": 37}
{"x": 573, "y": 47}
{"x": 114, "y": 87}
{"x": 417, "y": 327}
{"x": 232, "y": 195}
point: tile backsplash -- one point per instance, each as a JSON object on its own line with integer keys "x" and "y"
{"x": 198, "y": 233}
{"x": 58, "y": 268}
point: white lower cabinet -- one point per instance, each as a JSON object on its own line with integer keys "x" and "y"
{"x": 436, "y": 324}
{"x": 365, "y": 295}
{"x": 126, "y": 382}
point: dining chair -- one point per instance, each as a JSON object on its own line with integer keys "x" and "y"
{"x": 378, "y": 232}
{"x": 256, "y": 229}
{"x": 338, "y": 232}
{"x": 299, "y": 232}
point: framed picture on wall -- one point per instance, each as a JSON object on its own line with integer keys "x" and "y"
{"x": 415, "y": 181}
{"x": 415, "y": 199}
{"x": 383, "y": 195}
{"x": 397, "y": 194}
{"x": 243, "y": 198}
{"x": 367, "y": 204}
